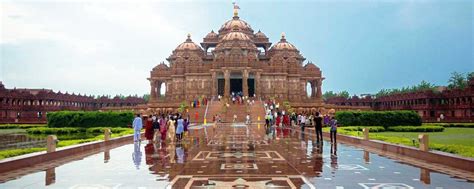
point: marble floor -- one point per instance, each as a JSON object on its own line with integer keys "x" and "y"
{"x": 232, "y": 156}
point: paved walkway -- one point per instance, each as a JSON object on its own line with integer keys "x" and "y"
{"x": 236, "y": 155}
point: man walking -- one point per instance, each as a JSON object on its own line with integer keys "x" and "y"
{"x": 318, "y": 121}
{"x": 137, "y": 127}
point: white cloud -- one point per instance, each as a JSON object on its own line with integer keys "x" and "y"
{"x": 86, "y": 47}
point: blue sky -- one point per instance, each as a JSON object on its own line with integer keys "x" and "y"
{"x": 109, "y": 47}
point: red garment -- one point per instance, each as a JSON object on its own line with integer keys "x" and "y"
{"x": 286, "y": 120}
{"x": 149, "y": 129}
{"x": 278, "y": 120}
{"x": 149, "y": 151}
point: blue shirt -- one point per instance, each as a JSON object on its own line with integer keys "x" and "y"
{"x": 137, "y": 124}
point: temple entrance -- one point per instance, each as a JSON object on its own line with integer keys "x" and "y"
{"x": 236, "y": 86}
{"x": 251, "y": 84}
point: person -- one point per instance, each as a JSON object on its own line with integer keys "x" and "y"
{"x": 171, "y": 129}
{"x": 156, "y": 127}
{"x": 267, "y": 121}
{"x": 318, "y": 127}
{"x": 163, "y": 127}
{"x": 148, "y": 128}
{"x": 186, "y": 125}
{"x": 333, "y": 132}
{"x": 180, "y": 128}
{"x": 247, "y": 119}
{"x": 137, "y": 127}
{"x": 303, "y": 122}
{"x": 235, "y": 118}
{"x": 278, "y": 120}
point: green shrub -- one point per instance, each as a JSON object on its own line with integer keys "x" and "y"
{"x": 416, "y": 129}
{"x": 58, "y": 131}
{"x": 460, "y": 125}
{"x": 374, "y": 129}
{"x": 21, "y": 126}
{"x": 378, "y": 118}
{"x": 89, "y": 119}
{"x": 73, "y": 130}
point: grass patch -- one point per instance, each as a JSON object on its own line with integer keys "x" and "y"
{"x": 458, "y": 141}
{"x": 66, "y": 136}
{"x": 16, "y": 152}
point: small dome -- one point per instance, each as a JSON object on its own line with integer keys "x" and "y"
{"x": 235, "y": 35}
{"x": 260, "y": 34}
{"x": 212, "y": 34}
{"x": 188, "y": 45}
{"x": 283, "y": 44}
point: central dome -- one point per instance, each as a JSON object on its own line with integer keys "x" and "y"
{"x": 235, "y": 24}
{"x": 235, "y": 35}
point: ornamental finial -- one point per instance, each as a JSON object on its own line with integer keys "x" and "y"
{"x": 236, "y": 8}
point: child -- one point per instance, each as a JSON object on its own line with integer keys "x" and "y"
{"x": 333, "y": 132}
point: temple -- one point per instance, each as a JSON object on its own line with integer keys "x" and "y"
{"x": 235, "y": 59}
{"x": 442, "y": 105}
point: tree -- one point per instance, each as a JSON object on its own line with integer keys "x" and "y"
{"x": 470, "y": 76}
{"x": 146, "y": 97}
{"x": 329, "y": 94}
{"x": 457, "y": 81}
{"x": 344, "y": 94}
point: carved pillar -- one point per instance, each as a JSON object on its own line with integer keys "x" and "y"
{"x": 245, "y": 86}
{"x": 158, "y": 89}
{"x": 257, "y": 84}
{"x": 152, "y": 90}
{"x": 214, "y": 86}
{"x": 314, "y": 88}
{"x": 227, "y": 83}
{"x": 320, "y": 93}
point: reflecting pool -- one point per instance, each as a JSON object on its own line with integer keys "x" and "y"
{"x": 233, "y": 156}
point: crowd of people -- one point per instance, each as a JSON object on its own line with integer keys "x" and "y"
{"x": 160, "y": 128}
{"x": 279, "y": 118}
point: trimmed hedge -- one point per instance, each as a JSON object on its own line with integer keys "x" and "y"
{"x": 459, "y": 125}
{"x": 416, "y": 129}
{"x": 374, "y": 129}
{"x": 21, "y": 126}
{"x": 89, "y": 119}
{"x": 378, "y": 118}
{"x": 73, "y": 130}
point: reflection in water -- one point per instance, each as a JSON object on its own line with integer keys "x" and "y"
{"x": 425, "y": 176}
{"x": 366, "y": 157}
{"x": 180, "y": 154}
{"x": 106, "y": 155}
{"x": 318, "y": 160}
{"x": 334, "y": 157}
{"x": 137, "y": 155}
{"x": 50, "y": 177}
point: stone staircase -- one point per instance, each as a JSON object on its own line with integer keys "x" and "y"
{"x": 216, "y": 107}
{"x": 241, "y": 110}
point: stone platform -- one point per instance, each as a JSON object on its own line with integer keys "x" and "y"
{"x": 234, "y": 156}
